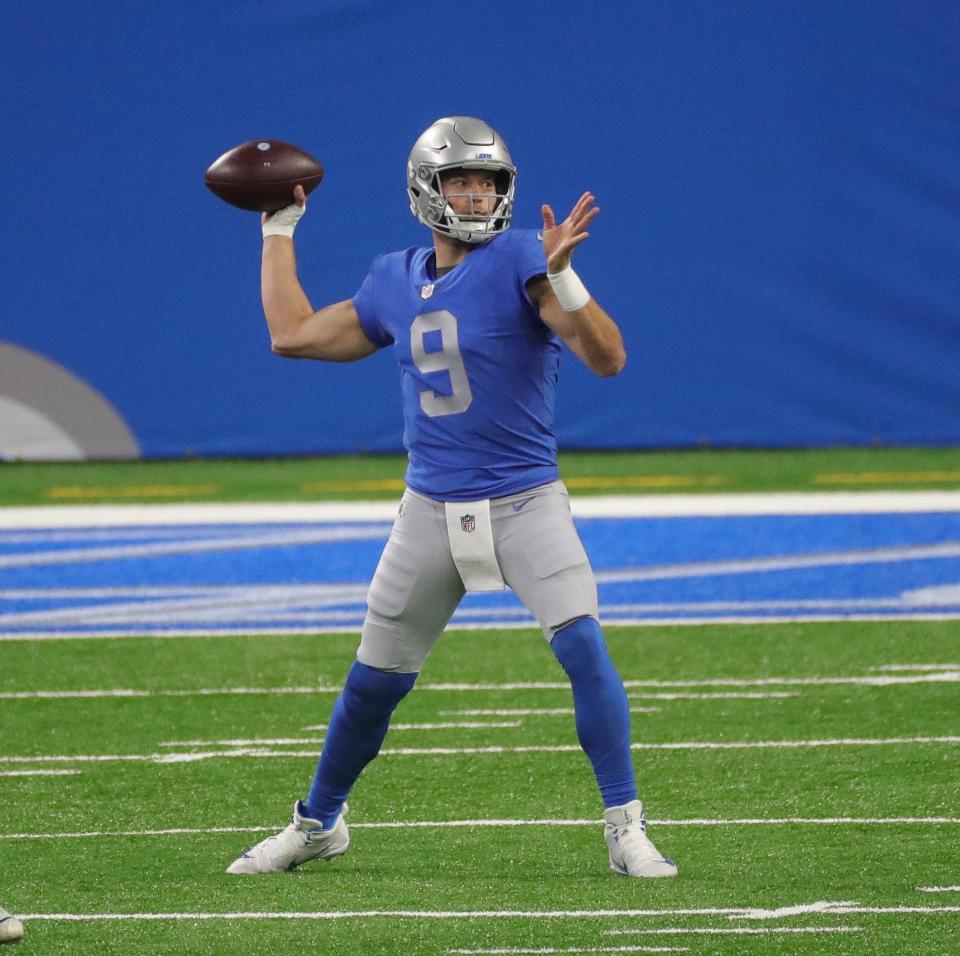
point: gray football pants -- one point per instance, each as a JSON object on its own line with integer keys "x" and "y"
{"x": 416, "y": 587}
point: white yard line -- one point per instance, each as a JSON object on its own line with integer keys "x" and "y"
{"x": 728, "y": 931}
{"x": 290, "y": 741}
{"x": 568, "y": 950}
{"x": 600, "y": 506}
{"x": 917, "y": 667}
{"x": 534, "y": 712}
{"x": 938, "y": 889}
{"x": 774, "y": 695}
{"x": 39, "y": 773}
{"x": 951, "y": 676}
{"x": 199, "y": 692}
{"x": 732, "y": 912}
{"x": 496, "y": 824}
{"x": 691, "y": 745}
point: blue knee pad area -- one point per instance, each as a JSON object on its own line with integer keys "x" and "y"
{"x": 601, "y": 708}
{"x": 358, "y": 725}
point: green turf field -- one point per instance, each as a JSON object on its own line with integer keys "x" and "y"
{"x": 864, "y": 754}
{"x": 704, "y": 471}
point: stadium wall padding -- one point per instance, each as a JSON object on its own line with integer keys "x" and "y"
{"x": 779, "y": 237}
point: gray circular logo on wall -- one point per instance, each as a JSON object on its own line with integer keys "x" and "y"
{"x": 48, "y": 414}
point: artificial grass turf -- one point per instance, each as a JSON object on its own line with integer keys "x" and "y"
{"x": 529, "y": 868}
{"x": 381, "y": 477}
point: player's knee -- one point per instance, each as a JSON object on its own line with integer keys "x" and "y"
{"x": 580, "y": 648}
{"x": 377, "y": 690}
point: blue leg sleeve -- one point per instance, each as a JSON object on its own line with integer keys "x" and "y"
{"x": 601, "y": 708}
{"x": 355, "y": 734}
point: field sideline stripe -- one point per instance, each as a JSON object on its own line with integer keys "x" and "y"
{"x": 585, "y": 506}
{"x": 733, "y": 912}
{"x": 481, "y": 824}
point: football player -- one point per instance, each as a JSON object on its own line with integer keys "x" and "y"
{"x": 476, "y": 320}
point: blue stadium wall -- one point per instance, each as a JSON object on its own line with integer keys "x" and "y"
{"x": 779, "y": 236}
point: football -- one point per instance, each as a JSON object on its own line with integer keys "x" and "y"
{"x": 260, "y": 175}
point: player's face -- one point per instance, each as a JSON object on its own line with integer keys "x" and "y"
{"x": 470, "y": 192}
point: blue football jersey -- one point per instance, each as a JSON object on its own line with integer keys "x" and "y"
{"x": 478, "y": 367}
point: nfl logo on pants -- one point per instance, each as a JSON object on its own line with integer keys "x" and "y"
{"x": 468, "y": 522}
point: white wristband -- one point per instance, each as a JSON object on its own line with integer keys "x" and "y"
{"x": 284, "y": 221}
{"x": 571, "y": 293}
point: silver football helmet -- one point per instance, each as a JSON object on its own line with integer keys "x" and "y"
{"x": 460, "y": 142}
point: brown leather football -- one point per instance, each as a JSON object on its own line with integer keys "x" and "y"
{"x": 260, "y": 175}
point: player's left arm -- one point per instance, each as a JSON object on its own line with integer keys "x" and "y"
{"x": 563, "y": 301}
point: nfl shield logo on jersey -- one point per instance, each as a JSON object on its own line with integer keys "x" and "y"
{"x": 468, "y": 523}
{"x": 426, "y": 290}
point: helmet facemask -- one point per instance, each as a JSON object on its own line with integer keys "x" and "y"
{"x": 430, "y": 205}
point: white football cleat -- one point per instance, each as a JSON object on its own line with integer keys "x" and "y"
{"x": 11, "y": 929}
{"x": 304, "y": 839}
{"x": 631, "y": 852}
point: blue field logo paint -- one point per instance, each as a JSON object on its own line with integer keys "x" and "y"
{"x": 310, "y": 577}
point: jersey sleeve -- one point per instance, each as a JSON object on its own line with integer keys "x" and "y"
{"x": 365, "y": 302}
{"x": 529, "y": 258}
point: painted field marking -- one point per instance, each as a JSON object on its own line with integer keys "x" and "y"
{"x": 263, "y": 753}
{"x": 533, "y": 712}
{"x": 609, "y": 506}
{"x": 731, "y": 912}
{"x": 494, "y": 824}
{"x": 728, "y": 931}
{"x": 40, "y": 773}
{"x": 917, "y": 667}
{"x": 938, "y": 889}
{"x": 196, "y": 545}
{"x": 774, "y": 695}
{"x": 514, "y": 951}
{"x": 822, "y": 559}
{"x": 951, "y": 676}
{"x": 885, "y": 477}
{"x": 462, "y": 624}
{"x": 646, "y": 481}
{"x": 123, "y": 693}
{"x": 290, "y": 741}
{"x": 74, "y": 492}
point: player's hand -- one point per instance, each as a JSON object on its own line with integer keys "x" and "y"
{"x": 559, "y": 241}
{"x": 284, "y": 221}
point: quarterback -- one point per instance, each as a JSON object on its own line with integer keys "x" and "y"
{"x": 476, "y": 320}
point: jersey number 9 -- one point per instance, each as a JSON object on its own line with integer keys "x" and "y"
{"x": 448, "y": 359}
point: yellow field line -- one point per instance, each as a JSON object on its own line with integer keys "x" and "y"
{"x": 646, "y": 481}
{"x": 82, "y": 492}
{"x": 93, "y": 492}
{"x": 886, "y": 477}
